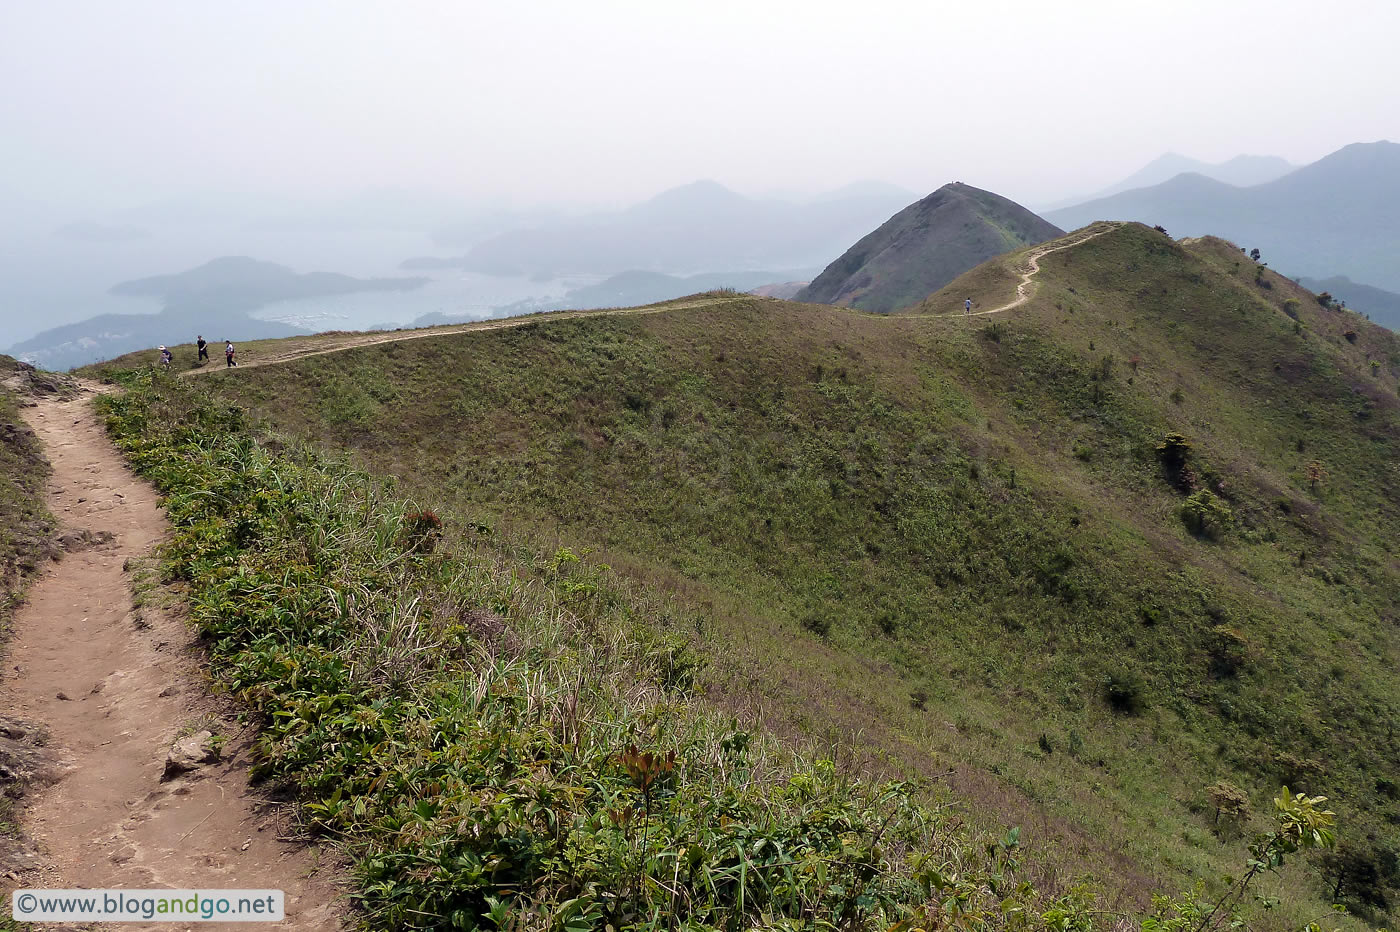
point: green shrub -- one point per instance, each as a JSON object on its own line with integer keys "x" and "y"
{"x": 1228, "y": 650}
{"x": 819, "y": 623}
{"x": 1206, "y": 515}
{"x": 1123, "y": 690}
{"x": 1360, "y": 874}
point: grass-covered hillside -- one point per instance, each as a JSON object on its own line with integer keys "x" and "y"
{"x": 1082, "y": 561}
{"x": 25, "y": 523}
{"x": 516, "y": 739}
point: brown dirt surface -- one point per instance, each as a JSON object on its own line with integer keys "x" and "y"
{"x": 110, "y": 689}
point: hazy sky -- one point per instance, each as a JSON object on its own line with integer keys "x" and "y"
{"x": 603, "y": 102}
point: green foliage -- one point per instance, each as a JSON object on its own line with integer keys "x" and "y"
{"x": 822, "y": 459}
{"x": 1123, "y": 689}
{"x": 1206, "y": 515}
{"x": 1359, "y": 873}
{"x": 471, "y": 766}
{"x": 26, "y": 527}
{"x": 1301, "y": 824}
{"x": 1174, "y": 452}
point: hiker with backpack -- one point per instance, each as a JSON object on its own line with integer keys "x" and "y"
{"x": 165, "y": 357}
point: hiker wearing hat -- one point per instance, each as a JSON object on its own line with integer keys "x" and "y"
{"x": 165, "y": 357}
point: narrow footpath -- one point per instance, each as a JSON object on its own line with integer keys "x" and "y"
{"x": 115, "y": 688}
{"x": 347, "y": 341}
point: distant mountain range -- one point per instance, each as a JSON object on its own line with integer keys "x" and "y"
{"x": 1338, "y": 216}
{"x": 924, "y": 247}
{"x": 703, "y": 225}
{"x": 1382, "y": 306}
{"x": 1241, "y": 171}
{"x": 214, "y": 300}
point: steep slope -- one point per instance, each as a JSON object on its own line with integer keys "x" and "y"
{"x": 925, "y": 246}
{"x": 1081, "y": 560}
{"x": 1335, "y": 216}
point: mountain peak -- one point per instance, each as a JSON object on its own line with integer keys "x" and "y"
{"x": 925, "y": 246}
{"x": 704, "y": 194}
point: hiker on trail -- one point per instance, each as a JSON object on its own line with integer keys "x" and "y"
{"x": 165, "y": 357}
{"x": 967, "y": 306}
{"x": 228, "y": 355}
{"x": 203, "y": 348}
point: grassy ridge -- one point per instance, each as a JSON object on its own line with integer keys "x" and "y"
{"x": 961, "y": 539}
{"x": 506, "y": 739}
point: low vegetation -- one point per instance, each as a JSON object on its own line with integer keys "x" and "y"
{"x": 511, "y": 740}
{"x": 26, "y": 527}
{"x": 1084, "y": 573}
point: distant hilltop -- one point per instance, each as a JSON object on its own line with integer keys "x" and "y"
{"x": 242, "y": 282}
{"x": 697, "y": 226}
{"x": 924, "y": 247}
{"x": 1338, "y": 216}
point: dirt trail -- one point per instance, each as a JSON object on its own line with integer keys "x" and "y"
{"x": 1023, "y": 293}
{"x": 351, "y": 341}
{"x": 354, "y": 340}
{"x": 114, "y": 688}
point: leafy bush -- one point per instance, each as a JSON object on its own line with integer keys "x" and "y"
{"x": 1174, "y": 453}
{"x": 1206, "y": 515}
{"x": 1228, "y": 650}
{"x": 819, "y": 623}
{"x": 1229, "y": 801}
{"x": 1123, "y": 689}
{"x": 1359, "y": 874}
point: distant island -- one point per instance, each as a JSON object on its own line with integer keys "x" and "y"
{"x": 215, "y": 299}
{"x": 245, "y": 283}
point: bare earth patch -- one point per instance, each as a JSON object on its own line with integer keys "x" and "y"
{"x": 113, "y": 690}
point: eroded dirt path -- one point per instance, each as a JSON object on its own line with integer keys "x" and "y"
{"x": 115, "y": 687}
{"x": 1023, "y": 292}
